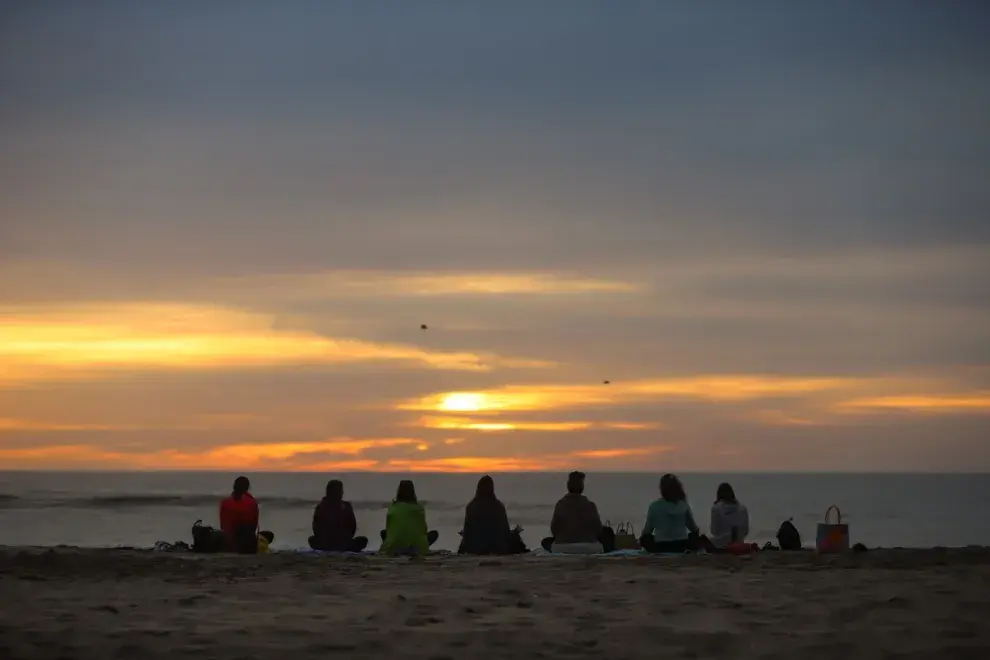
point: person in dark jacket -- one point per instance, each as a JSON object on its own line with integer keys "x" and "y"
{"x": 576, "y": 521}
{"x": 486, "y": 525}
{"x": 334, "y": 525}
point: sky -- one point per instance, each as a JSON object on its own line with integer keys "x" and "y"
{"x": 645, "y": 236}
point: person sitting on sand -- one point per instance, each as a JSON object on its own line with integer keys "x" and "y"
{"x": 730, "y": 519}
{"x": 576, "y": 525}
{"x": 239, "y": 519}
{"x": 405, "y": 524}
{"x": 334, "y": 524}
{"x": 486, "y": 524}
{"x": 670, "y": 525}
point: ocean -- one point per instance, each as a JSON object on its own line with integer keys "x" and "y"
{"x": 137, "y": 509}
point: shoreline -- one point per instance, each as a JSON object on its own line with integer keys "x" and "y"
{"x": 106, "y": 603}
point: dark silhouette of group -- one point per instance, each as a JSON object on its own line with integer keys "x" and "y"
{"x": 576, "y": 526}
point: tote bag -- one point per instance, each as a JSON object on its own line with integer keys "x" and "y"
{"x": 625, "y": 537}
{"x": 832, "y": 537}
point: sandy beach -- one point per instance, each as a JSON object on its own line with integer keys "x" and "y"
{"x": 73, "y": 603}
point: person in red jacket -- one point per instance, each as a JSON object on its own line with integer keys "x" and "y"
{"x": 239, "y": 518}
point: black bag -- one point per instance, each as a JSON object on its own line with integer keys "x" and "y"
{"x": 788, "y": 536}
{"x": 516, "y": 544}
{"x": 207, "y": 539}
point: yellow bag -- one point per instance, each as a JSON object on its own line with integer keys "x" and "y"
{"x": 832, "y": 537}
{"x": 625, "y": 537}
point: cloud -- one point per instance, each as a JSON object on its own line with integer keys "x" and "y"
{"x": 48, "y": 342}
{"x": 776, "y": 417}
{"x": 474, "y": 464}
{"x": 974, "y": 403}
{"x": 716, "y": 388}
{"x": 14, "y": 424}
{"x": 468, "y": 424}
{"x": 622, "y": 453}
{"x": 313, "y": 455}
{"x": 531, "y": 463}
{"x": 329, "y": 455}
{"x": 418, "y": 284}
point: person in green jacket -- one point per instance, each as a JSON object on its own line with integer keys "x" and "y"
{"x": 405, "y": 524}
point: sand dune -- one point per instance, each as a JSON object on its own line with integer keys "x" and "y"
{"x": 71, "y": 603}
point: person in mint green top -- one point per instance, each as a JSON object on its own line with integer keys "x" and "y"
{"x": 670, "y": 525}
{"x": 405, "y": 524}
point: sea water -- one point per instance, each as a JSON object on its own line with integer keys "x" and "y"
{"x": 140, "y": 508}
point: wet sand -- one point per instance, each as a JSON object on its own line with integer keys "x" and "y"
{"x": 73, "y": 603}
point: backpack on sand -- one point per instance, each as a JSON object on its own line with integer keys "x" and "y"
{"x": 207, "y": 539}
{"x": 788, "y": 536}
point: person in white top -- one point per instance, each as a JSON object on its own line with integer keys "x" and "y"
{"x": 730, "y": 519}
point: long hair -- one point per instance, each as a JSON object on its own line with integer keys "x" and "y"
{"x": 486, "y": 489}
{"x": 725, "y": 494}
{"x": 671, "y": 489}
{"x": 335, "y": 490}
{"x": 241, "y": 486}
{"x": 406, "y": 492}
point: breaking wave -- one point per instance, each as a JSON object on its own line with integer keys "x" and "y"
{"x": 154, "y": 500}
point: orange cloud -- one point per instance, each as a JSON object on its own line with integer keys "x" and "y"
{"x": 463, "y": 424}
{"x": 341, "y": 284}
{"x": 535, "y": 463}
{"x": 977, "y": 402}
{"x": 12, "y": 424}
{"x": 467, "y": 424}
{"x": 70, "y": 342}
{"x": 475, "y": 464}
{"x": 303, "y": 456}
{"x": 781, "y": 418}
{"x": 202, "y": 422}
{"x": 70, "y": 454}
{"x": 357, "y": 465}
{"x": 632, "y": 426}
{"x": 260, "y": 457}
{"x": 730, "y": 388}
{"x": 621, "y": 453}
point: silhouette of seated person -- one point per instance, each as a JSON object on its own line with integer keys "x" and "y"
{"x": 576, "y": 525}
{"x": 239, "y": 520}
{"x": 406, "y": 532}
{"x": 486, "y": 525}
{"x": 334, "y": 525}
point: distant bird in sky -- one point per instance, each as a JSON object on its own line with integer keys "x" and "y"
{"x": 606, "y": 382}
{"x": 422, "y": 327}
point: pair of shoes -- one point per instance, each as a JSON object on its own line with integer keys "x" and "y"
{"x": 178, "y": 546}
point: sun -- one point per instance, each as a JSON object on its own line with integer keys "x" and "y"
{"x": 463, "y": 402}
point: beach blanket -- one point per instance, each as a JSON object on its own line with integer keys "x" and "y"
{"x": 540, "y": 552}
{"x": 327, "y": 553}
{"x": 363, "y": 553}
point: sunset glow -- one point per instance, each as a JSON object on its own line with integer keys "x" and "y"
{"x": 424, "y": 239}
{"x": 717, "y": 388}
{"x": 50, "y": 343}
